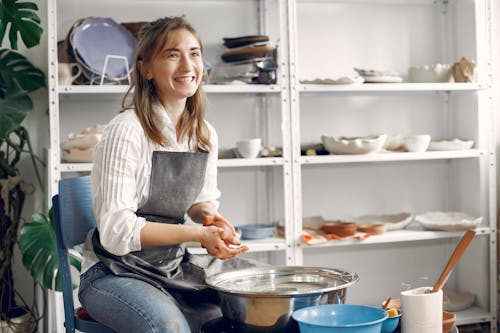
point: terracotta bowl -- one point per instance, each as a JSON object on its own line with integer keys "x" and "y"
{"x": 342, "y": 229}
{"x": 448, "y": 321}
{"x": 373, "y": 229}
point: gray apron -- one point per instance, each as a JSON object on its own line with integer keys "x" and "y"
{"x": 176, "y": 181}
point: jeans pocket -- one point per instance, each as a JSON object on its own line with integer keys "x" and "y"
{"x": 95, "y": 272}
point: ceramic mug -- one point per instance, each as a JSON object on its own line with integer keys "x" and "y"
{"x": 65, "y": 73}
{"x": 423, "y": 310}
{"x": 249, "y": 148}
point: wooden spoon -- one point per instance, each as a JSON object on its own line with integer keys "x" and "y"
{"x": 386, "y": 303}
{"x": 455, "y": 257}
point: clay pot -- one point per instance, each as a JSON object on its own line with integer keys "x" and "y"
{"x": 448, "y": 321}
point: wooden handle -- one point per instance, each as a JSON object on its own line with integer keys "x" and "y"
{"x": 455, "y": 257}
{"x": 386, "y": 303}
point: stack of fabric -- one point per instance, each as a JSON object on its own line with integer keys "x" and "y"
{"x": 249, "y": 59}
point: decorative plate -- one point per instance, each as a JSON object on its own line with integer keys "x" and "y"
{"x": 94, "y": 38}
{"x": 449, "y": 221}
{"x": 454, "y": 144}
{"x": 392, "y": 221}
{"x": 356, "y": 145}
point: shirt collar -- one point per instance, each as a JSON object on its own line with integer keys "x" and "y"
{"x": 162, "y": 116}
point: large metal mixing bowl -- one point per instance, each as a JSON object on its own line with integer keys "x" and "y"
{"x": 262, "y": 299}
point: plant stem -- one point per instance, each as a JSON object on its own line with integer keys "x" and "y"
{"x": 26, "y": 136}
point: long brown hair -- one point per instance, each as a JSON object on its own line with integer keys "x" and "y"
{"x": 152, "y": 37}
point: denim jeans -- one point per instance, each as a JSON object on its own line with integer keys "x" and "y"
{"x": 129, "y": 305}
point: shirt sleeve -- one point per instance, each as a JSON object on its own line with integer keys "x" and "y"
{"x": 209, "y": 191}
{"x": 114, "y": 188}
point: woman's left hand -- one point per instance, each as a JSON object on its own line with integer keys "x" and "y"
{"x": 229, "y": 236}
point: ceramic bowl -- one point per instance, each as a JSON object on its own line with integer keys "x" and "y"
{"x": 449, "y": 221}
{"x": 417, "y": 143}
{"x": 391, "y": 323}
{"x": 256, "y": 231}
{"x": 448, "y": 321}
{"x": 435, "y": 73}
{"x": 354, "y": 145}
{"x": 340, "y": 318}
{"x": 454, "y": 144}
{"x": 249, "y": 148}
{"x": 392, "y": 221}
{"x": 342, "y": 229}
{"x": 373, "y": 229}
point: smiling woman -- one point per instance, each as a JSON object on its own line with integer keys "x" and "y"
{"x": 157, "y": 162}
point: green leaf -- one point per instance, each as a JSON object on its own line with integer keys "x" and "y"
{"x": 13, "y": 109}
{"x": 23, "y": 21}
{"x": 37, "y": 243}
{"x": 15, "y": 68}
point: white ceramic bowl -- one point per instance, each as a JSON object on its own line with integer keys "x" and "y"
{"x": 249, "y": 148}
{"x": 454, "y": 144}
{"x": 392, "y": 221}
{"x": 417, "y": 143}
{"x": 356, "y": 145}
{"x": 436, "y": 73}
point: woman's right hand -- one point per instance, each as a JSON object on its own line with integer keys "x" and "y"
{"x": 212, "y": 240}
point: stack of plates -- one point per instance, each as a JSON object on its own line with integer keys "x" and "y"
{"x": 92, "y": 40}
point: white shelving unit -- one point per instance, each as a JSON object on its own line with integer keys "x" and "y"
{"x": 395, "y": 34}
{"x": 317, "y": 38}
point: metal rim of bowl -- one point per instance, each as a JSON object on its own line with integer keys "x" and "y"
{"x": 214, "y": 281}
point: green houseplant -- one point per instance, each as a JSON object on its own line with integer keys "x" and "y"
{"x": 19, "y": 78}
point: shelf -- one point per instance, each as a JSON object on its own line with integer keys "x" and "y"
{"x": 391, "y": 88}
{"x": 389, "y": 156}
{"x": 222, "y": 163}
{"x": 210, "y": 88}
{"x": 246, "y": 162}
{"x": 388, "y": 2}
{"x": 398, "y": 236}
{"x": 262, "y": 245}
{"x": 473, "y": 315}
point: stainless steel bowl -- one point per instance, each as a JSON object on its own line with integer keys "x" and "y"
{"x": 263, "y": 298}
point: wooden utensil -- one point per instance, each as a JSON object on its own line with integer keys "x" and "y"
{"x": 386, "y": 303}
{"x": 455, "y": 257}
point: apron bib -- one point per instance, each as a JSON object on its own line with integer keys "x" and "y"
{"x": 176, "y": 181}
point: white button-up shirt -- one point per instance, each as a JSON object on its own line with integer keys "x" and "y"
{"x": 121, "y": 178}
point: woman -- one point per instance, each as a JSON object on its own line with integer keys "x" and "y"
{"x": 155, "y": 163}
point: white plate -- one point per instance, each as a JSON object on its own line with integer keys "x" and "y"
{"x": 454, "y": 144}
{"x": 392, "y": 221}
{"x": 448, "y": 221}
{"x": 94, "y": 38}
{"x": 356, "y": 145}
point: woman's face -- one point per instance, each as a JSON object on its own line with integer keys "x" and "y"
{"x": 177, "y": 69}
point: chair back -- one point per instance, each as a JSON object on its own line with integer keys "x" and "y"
{"x": 73, "y": 219}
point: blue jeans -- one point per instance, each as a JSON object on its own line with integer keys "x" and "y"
{"x": 128, "y": 304}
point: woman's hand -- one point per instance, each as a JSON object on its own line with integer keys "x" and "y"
{"x": 229, "y": 236}
{"x": 213, "y": 240}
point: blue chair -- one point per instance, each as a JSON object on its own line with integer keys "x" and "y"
{"x": 73, "y": 218}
